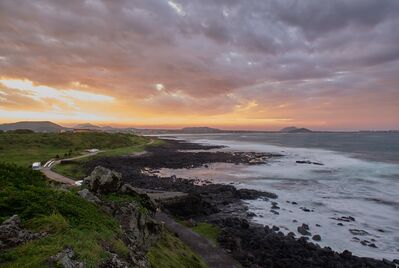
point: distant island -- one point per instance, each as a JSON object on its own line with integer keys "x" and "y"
{"x": 295, "y": 130}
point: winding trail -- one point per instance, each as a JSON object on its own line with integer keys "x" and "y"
{"x": 213, "y": 256}
{"x": 46, "y": 170}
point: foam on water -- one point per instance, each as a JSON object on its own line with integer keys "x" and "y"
{"x": 342, "y": 186}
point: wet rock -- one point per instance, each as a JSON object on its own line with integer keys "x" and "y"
{"x": 274, "y": 212}
{"x": 275, "y": 228}
{"x": 316, "y": 238}
{"x": 12, "y": 234}
{"x": 345, "y": 219}
{"x": 251, "y": 214}
{"x": 305, "y": 209}
{"x": 346, "y": 254}
{"x": 275, "y": 206}
{"x": 309, "y": 162}
{"x": 103, "y": 180}
{"x": 303, "y": 230}
{"x": 358, "y": 232}
{"x": 87, "y": 195}
{"x": 65, "y": 259}
{"x": 340, "y": 224}
{"x": 291, "y": 234}
{"x": 249, "y": 194}
{"x": 372, "y": 245}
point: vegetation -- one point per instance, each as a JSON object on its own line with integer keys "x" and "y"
{"x": 23, "y": 148}
{"x": 69, "y": 219}
{"x": 76, "y": 170}
{"x": 207, "y": 230}
{"x": 171, "y": 252}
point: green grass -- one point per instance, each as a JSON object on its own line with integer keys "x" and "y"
{"x": 75, "y": 169}
{"x": 207, "y": 230}
{"x": 25, "y": 148}
{"x": 120, "y": 198}
{"x": 69, "y": 219}
{"x": 171, "y": 252}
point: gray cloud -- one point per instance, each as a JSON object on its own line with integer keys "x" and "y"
{"x": 210, "y": 49}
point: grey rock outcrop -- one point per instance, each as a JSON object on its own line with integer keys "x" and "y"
{"x": 12, "y": 234}
{"x": 140, "y": 229}
{"x": 65, "y": 259}
{"x": 115, "y": 262}
{"x": 103, "y": 181}
{"x": 89, "y": 196}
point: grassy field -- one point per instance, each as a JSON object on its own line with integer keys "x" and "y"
{"x": 25, "y": 148}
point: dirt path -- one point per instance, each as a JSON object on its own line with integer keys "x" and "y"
{"x": 213, "y": 256}
{"x": 57, "y": 177}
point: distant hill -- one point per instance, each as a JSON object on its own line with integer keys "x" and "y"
{"x": 295, "y": 130}
{"x": 105, "y": 128}
{"x": 200, "y": 130}
{"x": 37, "y": 126}
{"x": 87, "y": 126}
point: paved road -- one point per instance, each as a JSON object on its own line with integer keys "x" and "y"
{"x": 46, "y": 170}
{"x": 213, "y": 256}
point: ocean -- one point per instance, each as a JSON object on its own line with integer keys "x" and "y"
{"x": 357, "y": 176}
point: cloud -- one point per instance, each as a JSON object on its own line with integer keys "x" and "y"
{"x": 187, "y": 57}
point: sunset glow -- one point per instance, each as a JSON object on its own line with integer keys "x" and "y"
{"x": 239, "y": 65}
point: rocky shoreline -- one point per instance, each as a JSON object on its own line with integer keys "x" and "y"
{"x": 251, "y": 244}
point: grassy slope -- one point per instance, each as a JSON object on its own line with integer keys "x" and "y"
{"x": 207, "y": 230}
{"x": 69, "y": 219}
{"x": 72, "y": 221}
{"x": 171, "y": 252}
{"x": 23, "y": 149}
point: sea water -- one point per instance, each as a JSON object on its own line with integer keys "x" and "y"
{"x": 359, "y": 177}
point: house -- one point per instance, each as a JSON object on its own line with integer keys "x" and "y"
{"x": 92, "y": 151}
{"x": 36, "y": 166}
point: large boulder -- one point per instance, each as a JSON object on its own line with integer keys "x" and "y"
{"x": 103, "y": 180}
{"x": 12, "y": 234}
{"x": 140, "y": 229}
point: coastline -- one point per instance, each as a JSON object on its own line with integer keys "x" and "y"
{"x": 224, "y": 206}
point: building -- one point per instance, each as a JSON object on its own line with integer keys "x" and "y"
{"x": 36, "y": 166}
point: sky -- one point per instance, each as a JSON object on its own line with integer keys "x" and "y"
{"x": 233, "y": 64}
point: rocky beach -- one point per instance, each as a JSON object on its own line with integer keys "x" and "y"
{"x": 250, "y": 243}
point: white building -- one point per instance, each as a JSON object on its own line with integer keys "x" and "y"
{"x": 36, "y": 166}
{"x": 92, "y": 150}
